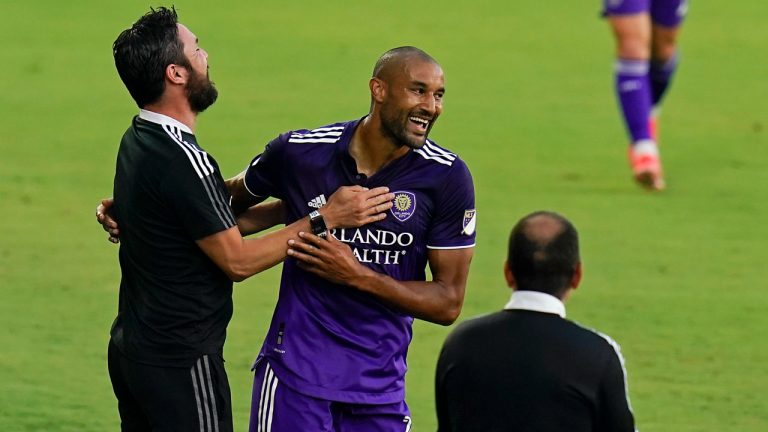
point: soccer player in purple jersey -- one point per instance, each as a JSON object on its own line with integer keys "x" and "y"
{"x": 646, "y": 58}
{"x": 334, "y": 358}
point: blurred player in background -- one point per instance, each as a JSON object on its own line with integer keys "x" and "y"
{"x": 646, "y": 58}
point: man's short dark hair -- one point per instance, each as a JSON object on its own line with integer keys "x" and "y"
{"x": 543, "y": 260}
{"x": 143, "y": 51}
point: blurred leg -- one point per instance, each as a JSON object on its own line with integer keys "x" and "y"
{"x": 633, "y": 89}
{"x": 666, "y": 17}
{"x": 632, "y": 33}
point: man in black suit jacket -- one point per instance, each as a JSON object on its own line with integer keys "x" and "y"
{"x": 527, "y": 368}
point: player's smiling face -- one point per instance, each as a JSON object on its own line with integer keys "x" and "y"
{"x": 413, "y": 103}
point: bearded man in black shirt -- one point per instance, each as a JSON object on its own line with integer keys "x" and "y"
{"x": 181, "y": 244}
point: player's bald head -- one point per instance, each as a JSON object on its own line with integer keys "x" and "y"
{"x": 396, "y": 60}
{"x": 543, "y": 252}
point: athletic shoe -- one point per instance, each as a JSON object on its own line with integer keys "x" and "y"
{"x": 646, "y": 165}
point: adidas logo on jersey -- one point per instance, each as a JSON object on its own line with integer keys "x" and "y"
{"x": 317, "y": 201}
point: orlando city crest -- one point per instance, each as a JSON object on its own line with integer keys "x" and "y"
{"x": 404, "y": 205}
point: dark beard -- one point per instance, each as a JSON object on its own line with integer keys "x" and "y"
{"x": 201, "y": 92}
{"x": 394, "y": 128}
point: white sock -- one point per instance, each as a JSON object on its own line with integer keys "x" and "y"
{"x": 646, "y": 146}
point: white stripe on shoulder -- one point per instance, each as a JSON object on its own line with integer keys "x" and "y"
{"x": 439, "y": 150}
{"x": 203, "y": 167}
{"x": 450, "y": 247}
{"x": 201, "y": 154}
{"x": 199, "y": 169}
{"x": 316, "y": 134}
{"x": 299, "y": 140}
{"x": 432, "y": 151}
{"x": 175, "y": 131}
{"x": 329, "y": 128}
{"x": 437, "y": 159}
{"x": 325, "y": 134}
{"x": 202, "y": 157}
{"x": 617, "y": 350}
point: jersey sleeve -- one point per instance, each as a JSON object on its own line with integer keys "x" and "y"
{"x": 195, "y": 190}
{"x": 615, "y": 412}
{"x": 263, "y": 175}
{"x": 453, "y": 225}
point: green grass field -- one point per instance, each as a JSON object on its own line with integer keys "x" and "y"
{"x": 677, "y": 278}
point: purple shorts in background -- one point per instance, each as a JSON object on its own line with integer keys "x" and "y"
{"x": 278, "y": 408}
{"x": 669, "y": 13}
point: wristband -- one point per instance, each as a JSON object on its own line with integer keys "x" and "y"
{"x": 317, "y": 223}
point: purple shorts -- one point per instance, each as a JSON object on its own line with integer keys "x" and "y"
{"x": 278, "y": 408}
{"x": 669, "y": 13}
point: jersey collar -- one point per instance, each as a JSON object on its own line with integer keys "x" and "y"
{"x": 162, "y": 119}
{"x": 537, "y": 302}
{"x": 381, "y": 177}
{"x": 347, "y": 161}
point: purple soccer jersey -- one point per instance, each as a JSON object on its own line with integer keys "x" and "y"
{"x": 669, "y": 13}
{"x": 330, "y": 341}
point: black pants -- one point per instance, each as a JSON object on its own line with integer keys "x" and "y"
{"x": 164, "y": 399}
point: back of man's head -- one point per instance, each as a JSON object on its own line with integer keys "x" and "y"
{"x": 543, "y": 253}
{"x": 143, "y": 51}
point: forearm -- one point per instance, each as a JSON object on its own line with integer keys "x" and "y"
{"x": 241, "y": 258}
{"x": 260, "y": 253}
{"x": 438, "y": 301}
{"x": 261, "y": 217}
{"x": 432, "y": 301}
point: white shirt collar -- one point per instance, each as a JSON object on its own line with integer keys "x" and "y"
{"x": 162, "y": 119}
{"x": 536, "y": 301}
